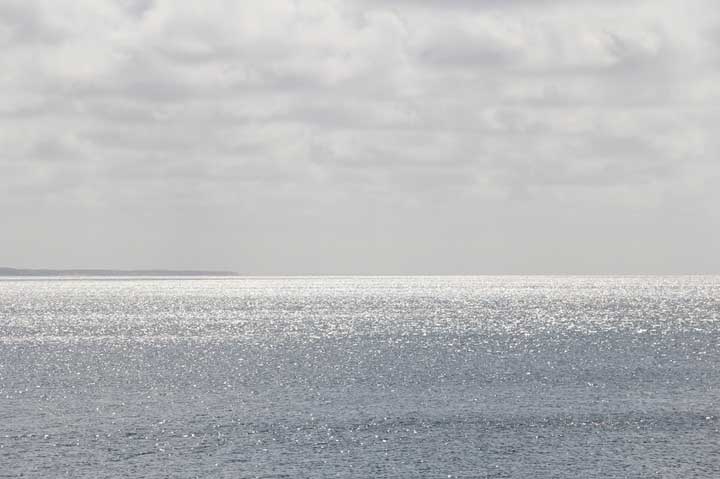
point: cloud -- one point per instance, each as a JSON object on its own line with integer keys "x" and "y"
{"x": 320, "y": 110}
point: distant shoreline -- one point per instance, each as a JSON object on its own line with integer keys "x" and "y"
{"x": 111, "y": 272}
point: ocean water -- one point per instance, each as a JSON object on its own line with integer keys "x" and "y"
{"x": 438, "y": 377}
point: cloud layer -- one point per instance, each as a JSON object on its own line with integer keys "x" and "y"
{"x": 361, "y": 137}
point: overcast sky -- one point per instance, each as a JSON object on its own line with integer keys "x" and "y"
{"x": 366, "y": 136}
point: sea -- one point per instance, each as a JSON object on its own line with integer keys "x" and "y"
{"x": 367, "y": 377}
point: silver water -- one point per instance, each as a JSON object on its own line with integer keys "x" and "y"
{"x": 498, "y": 377}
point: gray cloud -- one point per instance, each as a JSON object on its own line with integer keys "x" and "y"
{"x": 278, "y": 137}
{"x": 24, "y": 23}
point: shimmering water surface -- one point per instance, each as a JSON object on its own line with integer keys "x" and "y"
{"x": 523, "y": 377}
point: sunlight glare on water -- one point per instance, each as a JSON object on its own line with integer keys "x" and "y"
{"x": 518, "y": 376}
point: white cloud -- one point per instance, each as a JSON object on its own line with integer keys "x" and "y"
{"x": 315, "y": 112}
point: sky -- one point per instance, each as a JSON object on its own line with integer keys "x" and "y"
{"x": 277, "y": 137}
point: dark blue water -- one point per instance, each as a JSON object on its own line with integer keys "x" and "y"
{"x": 498, "y": 377}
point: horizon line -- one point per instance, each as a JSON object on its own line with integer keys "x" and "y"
{"x": 160, "y": 272}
